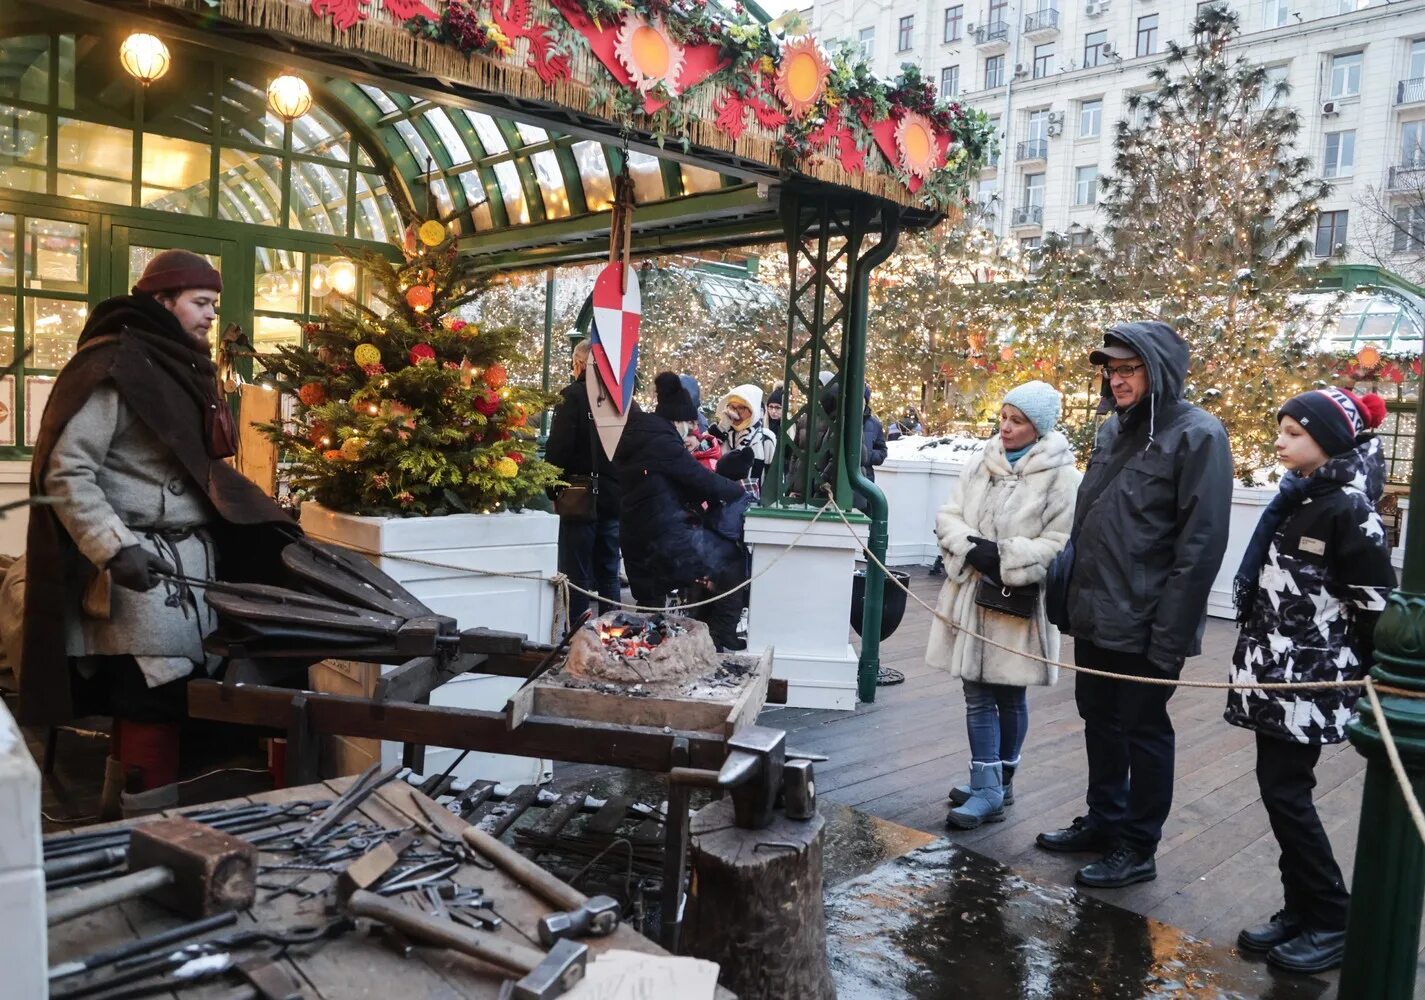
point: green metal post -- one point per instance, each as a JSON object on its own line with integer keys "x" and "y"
{"x": 1388, "y": 889}
{"x": 853, "y": 374}
{"x": 548, "y": 349}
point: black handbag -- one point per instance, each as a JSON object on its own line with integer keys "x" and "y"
{"x": 1017, "y": 601}
{"x": 579, "y": 501}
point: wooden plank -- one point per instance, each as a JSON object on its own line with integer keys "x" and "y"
{"x": 754, "y": 695}
{"x": 555, "y": 701}
{"x": 504, "y": 816}
{"x": 610, "y": 815}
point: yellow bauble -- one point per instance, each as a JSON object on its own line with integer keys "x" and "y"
{"x": 367, "y": 354}
{"x": 432, "y": 233}
{"x": 507, "y": 468}
{"x": 351, "y": 449}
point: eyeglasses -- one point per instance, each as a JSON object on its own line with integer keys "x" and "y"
{"x": 1121, "y": 371}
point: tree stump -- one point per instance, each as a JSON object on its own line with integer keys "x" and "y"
{"x": 757, "y": 910}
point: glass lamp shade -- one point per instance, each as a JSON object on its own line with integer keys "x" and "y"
{"x": 341, "y": 276}
{"x": 289, "y": 97}
{"x": 144, "y": 56}
{"x": 320, "y": 282}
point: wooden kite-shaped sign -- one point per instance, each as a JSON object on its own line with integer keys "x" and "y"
{"x": 618, "y": 312}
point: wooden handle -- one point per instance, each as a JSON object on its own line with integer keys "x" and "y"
{"x": 444, "y": 933}
{"x": 524, "y": 871}
{"x": 83, "y": 901}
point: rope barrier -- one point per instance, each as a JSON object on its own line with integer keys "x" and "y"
{"x": 1393, "y": 755}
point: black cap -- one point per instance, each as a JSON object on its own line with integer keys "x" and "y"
{"x": 674, "y": 403}
{"x": 1113, "y": 349}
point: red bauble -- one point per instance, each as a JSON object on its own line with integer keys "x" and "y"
{"x": 517, "y": 457}
{"x": 420, "y": 297}
{"x": 487, "y": 404}
{"x": 312, "y": 394}
{"x": 422, "y": 353}
{"x": 495, "y": 376}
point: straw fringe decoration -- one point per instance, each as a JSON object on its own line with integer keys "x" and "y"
{"x": 378, "y": 35}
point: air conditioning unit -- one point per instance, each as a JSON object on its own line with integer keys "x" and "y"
{"x": 1328, "y": 109}
{"x": 1095, "y": 7}
{"x": 1056, "y": 118}
{"x": 1106, "y": 49}
{"x": 1019, "y": 70}
{"x": 1055, "y": 129}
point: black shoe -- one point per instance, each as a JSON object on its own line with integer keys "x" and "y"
{"x": 1121, "y": 866}
{"x": 730, "y": 644}
{"x": 1310, "y": 951}
{"x": 1281, "y": 928}
{"x": 1077, "y": 837}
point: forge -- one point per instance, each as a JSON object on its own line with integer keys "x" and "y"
{"x": 662, "y": 652}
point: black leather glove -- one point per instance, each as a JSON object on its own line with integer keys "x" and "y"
{"x": 984, "y": 556}
{"x": 134, "y": 568}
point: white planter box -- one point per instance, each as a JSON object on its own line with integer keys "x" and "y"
{"x": 24, "y": 944}
{"x": 525, "y": 542}
{"x": 802, "y": 607}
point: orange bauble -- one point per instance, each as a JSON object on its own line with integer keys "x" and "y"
{"x": 495, "y": 376}
{"x": 420, "y": 297}
{"x": 312, "y": 394}
{"x": 1368, "y": 356}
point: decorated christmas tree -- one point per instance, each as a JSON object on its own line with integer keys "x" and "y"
{"x": 402, "y": 407}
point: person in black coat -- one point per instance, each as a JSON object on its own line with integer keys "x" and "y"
{"x": 588, "y": 549}
{"x": 873, "y": 439}
{"x": 666, "y": 545}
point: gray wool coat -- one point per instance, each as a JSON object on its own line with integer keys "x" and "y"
{"x": 117, "y": 485}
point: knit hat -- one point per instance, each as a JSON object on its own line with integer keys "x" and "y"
{"x": 774, "y": 398}
{"x": 1334, "y": 417}
{"x": 175, "y": 270}
{"x": 1039, "y": 401}
{"x": 674, "y": 403}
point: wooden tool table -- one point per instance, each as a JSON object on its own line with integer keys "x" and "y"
{"x": 354, "y": 965}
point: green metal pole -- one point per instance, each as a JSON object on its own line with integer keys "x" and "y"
{"x": 853, "y": 376}
{"x": 1388, "y": 889}
{"x": 548, "y": 348}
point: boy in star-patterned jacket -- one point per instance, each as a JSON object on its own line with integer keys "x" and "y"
{"x": 1310, "y": 588}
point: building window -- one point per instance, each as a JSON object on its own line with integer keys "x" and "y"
{"x": 1409, "y": 229}
{"x": 1080, "y": 238}
{"x": 1272, "y": 94}
{"x": 1274, "y": 14}
{"x": 994, "y": 72}
{"x": 998, "y": 9}
{"x": 1351, "y": 6}
{"x": 1340, "y": 159}
{"x": 1141, "y": 117}
{"x": 903, "y": 32}
{"x": 1090, "y": 119}
{"x": 1346, "y": 74}
{"x": 868, "y": 43}
{"x": 1412, "y": 145}
{"x": 1330, "y": 233}
{"x": 1085, "y": 185}
{"x": 1094, "y": 44}
{"x": 1043, "y": 60}
{"x": 1031, "y": 242}
{"x": 1416, "y": 68}
{"x": 954, "y": 23}
{"x": 1033, "y": 191}
{"x": 950, "y": 81}
{"x": 1147, "y": 35}
{"x": 987, "y": 196}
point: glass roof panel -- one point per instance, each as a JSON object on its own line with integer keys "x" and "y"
{"x": 488, "y": 132}
{"x": 414, "y": 143}
{"x": 647, "y": 177}
{"x": 513, "y": 193}
{"x": 449, "y": 138}
{"x": 531, "y": 134}
{"x": 594, "y": 173}
{"x": 699, "y": 179}
{"x": 319, "y": 134}
{"x": 380, "y": 98}
{"x": 551, "y": 184}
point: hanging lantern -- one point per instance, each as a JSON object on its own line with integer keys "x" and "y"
{"x": 1368, "y": 356}
{"x": 420, "y": 297}
{"x": 341, "y": 275}
{"x": 289, "y": 97}
{"x": 144, "y": 56}
{"x": 320, "y": 283}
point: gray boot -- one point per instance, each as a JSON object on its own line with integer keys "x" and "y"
{"x": 960, "y": 794}
{"x": 986, "y": 801}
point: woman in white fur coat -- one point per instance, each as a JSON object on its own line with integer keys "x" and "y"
{"x": 1007, "y": 518}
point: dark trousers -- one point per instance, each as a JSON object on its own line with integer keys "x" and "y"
{"x": 588, "y": 556}
{"x": 1311, "y": 880}
{"x": 1130, "y": 742}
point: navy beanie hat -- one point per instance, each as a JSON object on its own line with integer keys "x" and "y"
{"x": 1334, "y": 417}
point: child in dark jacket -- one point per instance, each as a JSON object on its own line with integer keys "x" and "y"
{"x": 1310, "y": 588}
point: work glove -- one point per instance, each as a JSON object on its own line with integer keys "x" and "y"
{"x": 135, "y": 568}
{"x": 984, "y": 556}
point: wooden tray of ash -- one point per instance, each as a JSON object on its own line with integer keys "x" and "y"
{"x": 656, "y": 670}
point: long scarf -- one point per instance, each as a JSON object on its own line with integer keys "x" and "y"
{"x": 1291, "y": 494}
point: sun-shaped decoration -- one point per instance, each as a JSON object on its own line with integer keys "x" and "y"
{"x": 915, "y": 139}
{"x": 650, "y": 54}
{"x": 801, "y": 78}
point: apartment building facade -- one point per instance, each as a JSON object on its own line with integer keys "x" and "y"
{"x": 1056, "y": 74}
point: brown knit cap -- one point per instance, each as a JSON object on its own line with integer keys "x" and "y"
{"x": 175, "y": 270}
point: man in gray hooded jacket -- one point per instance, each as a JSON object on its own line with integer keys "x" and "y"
{"x": 1150, "y": 530}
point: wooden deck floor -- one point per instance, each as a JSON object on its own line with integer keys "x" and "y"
{"x": 897, "y": 758}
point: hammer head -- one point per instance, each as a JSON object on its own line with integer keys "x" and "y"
{"x": 212, "y": 871}
{"x": 598, "y": 917}
{"x": 560, "y": 972}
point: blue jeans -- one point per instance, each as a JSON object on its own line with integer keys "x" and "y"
{"x": 588, "y": 556}
{"x": 997, "y": 717}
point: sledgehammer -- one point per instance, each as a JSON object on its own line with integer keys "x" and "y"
{"x": 581, "y": 916}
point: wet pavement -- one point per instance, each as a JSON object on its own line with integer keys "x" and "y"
{"x": 945, "y": 922}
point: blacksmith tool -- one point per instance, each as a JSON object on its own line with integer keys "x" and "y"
{"x": 372, "y": 867}
{"x": 450, "y": 843}
{"x": 752, "y": 773}
{"x": 370, "y": 780}
{"x": 151, "y": 943}
{"x": 544, "y": 975}
{"x": 580, "y": 916}
{"x": 798, "y": 789}
{"x": 79, "y": 864}
{"x": 558, "y": 649}
{"x": 418, "y": 876}
{"x": 187, "y": 866}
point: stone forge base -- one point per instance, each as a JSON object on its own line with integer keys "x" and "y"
{"x": 802, "y": 606}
